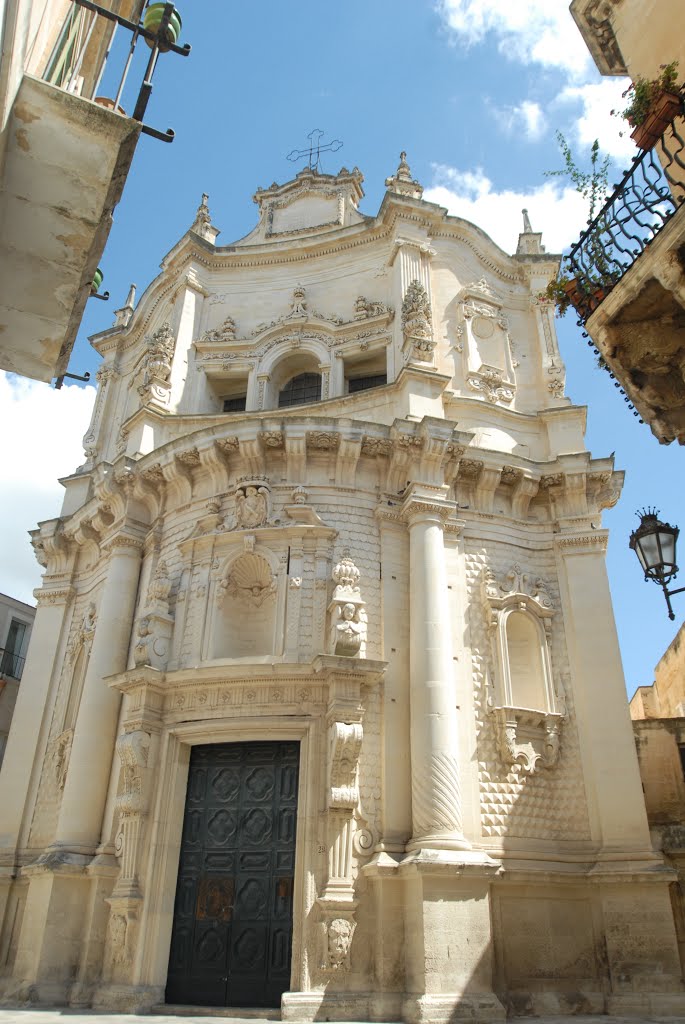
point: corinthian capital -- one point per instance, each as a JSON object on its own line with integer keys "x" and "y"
{"x": 427, "y": 503}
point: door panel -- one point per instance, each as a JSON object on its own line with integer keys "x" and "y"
{"x": 232, "y": 933}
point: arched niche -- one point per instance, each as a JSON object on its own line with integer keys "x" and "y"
{"x": 527, "y": 707}
{"x": 248, "y": 614}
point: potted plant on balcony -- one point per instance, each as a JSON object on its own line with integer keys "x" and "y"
{"x": 653, "y": 103}
{"x": 152, "y": 20}
{"x": 584, "y": 290}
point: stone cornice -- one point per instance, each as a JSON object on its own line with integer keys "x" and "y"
{"x": 324, "y": 667}
{"x": 585, "y": 543}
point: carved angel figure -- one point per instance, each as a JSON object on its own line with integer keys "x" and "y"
{"x": 347, "y": 631}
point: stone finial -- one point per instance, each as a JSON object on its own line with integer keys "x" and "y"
{"x": 402, "y": 182}
{"x": 202, "y": 225}
{"x": 530, "y": 242}
{"x": 122, "y": 317}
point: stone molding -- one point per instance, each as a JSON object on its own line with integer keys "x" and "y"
{"x": 583, "y": 542}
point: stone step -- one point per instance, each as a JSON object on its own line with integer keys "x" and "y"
{"x": 220, "y": 1012}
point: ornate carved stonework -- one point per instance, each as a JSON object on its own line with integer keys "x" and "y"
{"x": 347, "y": 612}
{"x": 61, "y": 756}
{"x": 156, "y": 365}
{"x": 528, "y": 737}
{"x": 339, "y": 932}
{"x": 252, "y": 503}
{"x": 417, "y": 325}
{"x": 489, "y": 381}
{"x": 402, "y": 182}
{"x": 249, "y": 581}
{"x": 155, "y": 625}
{"x": 225, "y": 333}
{"x": 364, "y": 309}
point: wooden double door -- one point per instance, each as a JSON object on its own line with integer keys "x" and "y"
{"x": 232, "y": 932}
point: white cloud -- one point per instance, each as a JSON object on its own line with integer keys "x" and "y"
{"x": 526, "y": 119}
{"x": 560, "y": 213}
{"x": 42, "y": 430}
{"x": 596, "y": 120}
{"x": 529, "y": 31}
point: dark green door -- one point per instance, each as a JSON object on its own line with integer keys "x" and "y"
{"x": 232, "y": 931}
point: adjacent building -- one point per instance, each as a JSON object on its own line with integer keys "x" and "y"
{"x": 16, "y": 621}
{"x": 325, "y": 706}
{"x": 66, "y": 147}
{"x": 629, "y": 262}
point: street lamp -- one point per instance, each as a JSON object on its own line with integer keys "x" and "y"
{"x": 654, "y": 544}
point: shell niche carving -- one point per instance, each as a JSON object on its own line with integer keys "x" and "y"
{"x": 249, "y": 580}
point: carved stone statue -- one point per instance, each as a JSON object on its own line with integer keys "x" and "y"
{"x": 348, "y": 631}
{"x": 347, "y": 610}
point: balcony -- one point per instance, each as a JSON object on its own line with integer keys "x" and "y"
{"x": 629, "y": 272}
{"x": 67, "y": 153}
{"x": 11, "y": 665}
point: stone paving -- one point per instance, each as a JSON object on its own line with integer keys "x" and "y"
{"x": 32, "y": 1016}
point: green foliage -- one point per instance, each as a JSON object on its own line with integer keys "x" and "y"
{"x": 644, "y": 92}
{"x": 593, "y": 185}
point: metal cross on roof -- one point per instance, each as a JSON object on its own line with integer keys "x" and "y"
{"x": 315, "y": 149}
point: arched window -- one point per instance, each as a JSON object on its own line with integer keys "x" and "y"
{"x": 300, "y": 390}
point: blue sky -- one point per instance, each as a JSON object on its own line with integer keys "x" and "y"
{"x": 474, "y": 90}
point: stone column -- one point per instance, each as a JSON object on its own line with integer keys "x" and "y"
{"x": 436, "y": 798}
{"x": 32, "y": 710}
{"x": 90, "y": 763}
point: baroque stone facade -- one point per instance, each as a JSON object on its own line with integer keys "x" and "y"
{"x": 332, "y": 512}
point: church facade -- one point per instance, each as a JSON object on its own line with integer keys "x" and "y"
{"x": 324, "y": 707}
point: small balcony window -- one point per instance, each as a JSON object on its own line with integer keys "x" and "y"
{"x": 236, "y": 403}
{"x": 300, "y": 390}
{"x": 375, "y": 380}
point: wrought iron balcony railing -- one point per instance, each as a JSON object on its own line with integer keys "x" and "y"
{"x": 649, "y": 194}
{"x": 79, "y": 60}
{"x": 11, "y": 665}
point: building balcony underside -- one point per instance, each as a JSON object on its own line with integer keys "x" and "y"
{"x": 639, "y": 330}
{"x": 66, "y": 162}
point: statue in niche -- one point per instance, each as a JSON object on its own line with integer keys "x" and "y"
{"x": 251, "y": 507}
{"x": 348, "y": 615}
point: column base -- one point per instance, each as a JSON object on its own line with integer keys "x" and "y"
{"x": 128, "y": 998}
{"x": 646, "y": 1004}
{"x": 301, "y": 1006}
{"x": 452, "y": 1006}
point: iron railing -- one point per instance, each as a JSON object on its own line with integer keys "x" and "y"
{"x": 649, "y": 194}
{"x": 11, "y": 664}
{"x": 78, "y": 48}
